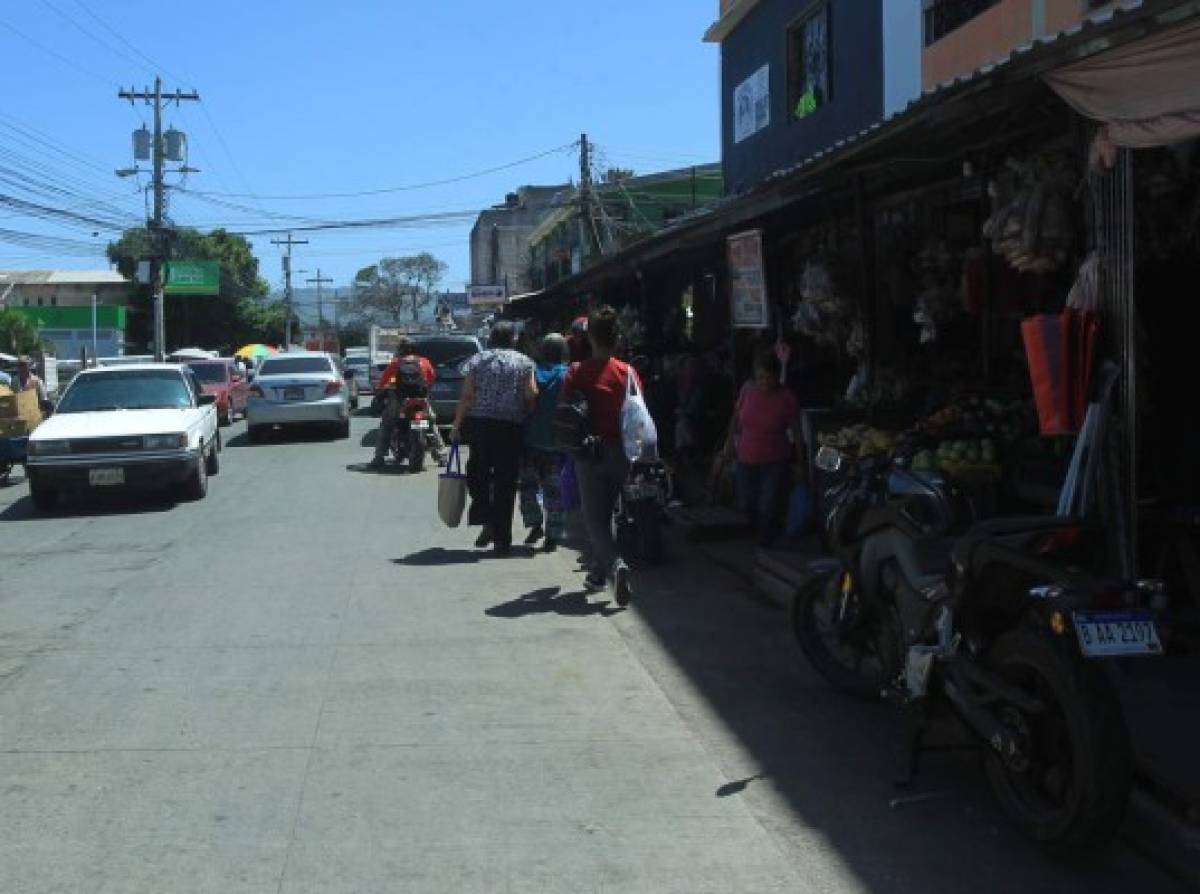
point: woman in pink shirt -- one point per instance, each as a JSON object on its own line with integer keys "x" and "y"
{"x": 765, "y": 414}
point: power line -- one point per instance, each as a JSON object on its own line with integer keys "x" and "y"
{"x": 154, "y": 66}
{"x": 86, "y": 33}
{"x": 61, "y": 58}
{"x": 390, "y": 189}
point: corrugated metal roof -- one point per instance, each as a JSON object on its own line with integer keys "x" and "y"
{"x": 61, "y": 277}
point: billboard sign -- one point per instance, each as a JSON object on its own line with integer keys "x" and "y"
{"x": 486, "y": 296}
{"x": 191, "y": 278}
{"x": 747, "y": 284}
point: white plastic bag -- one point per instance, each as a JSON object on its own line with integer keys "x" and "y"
{"x": 452, "y": 490}
{"x": 639, "y": 435}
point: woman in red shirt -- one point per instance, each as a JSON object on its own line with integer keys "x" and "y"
{"x": 766, "y": 413}
{"x": 603, "y": 380}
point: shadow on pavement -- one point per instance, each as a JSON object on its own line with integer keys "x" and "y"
{"x": 369, "y": 438}
{"x": 437, "y": 555}
{"x": 387, "y": 469}
{"x": 291, "y": 434}
{"x": 831, "y": 760}
{"x": 551, "y": 599}
{"x": 132, "y": 502}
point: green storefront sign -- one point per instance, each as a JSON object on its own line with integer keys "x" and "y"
{"x": 192, "y": 278}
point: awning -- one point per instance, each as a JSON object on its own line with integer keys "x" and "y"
{"x": 1146, "y": 93}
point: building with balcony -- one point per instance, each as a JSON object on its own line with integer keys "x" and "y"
{"x": 961, "y": 36}
{"x": 798, "y": 76}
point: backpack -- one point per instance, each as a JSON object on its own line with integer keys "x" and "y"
{"x": 410, "y": 378}
{"x": 572, "y": 425}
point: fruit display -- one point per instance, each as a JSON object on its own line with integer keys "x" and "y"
{"x": 977, "y": 418}
{"x": 950, "y": 456}
{"x": 859, "y": 441}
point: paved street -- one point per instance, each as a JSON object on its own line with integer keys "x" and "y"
{"x": 305, "y": 683}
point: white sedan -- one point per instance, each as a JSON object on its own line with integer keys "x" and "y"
{"x": 296, "y": 389}
{"x": 146, "y": 424}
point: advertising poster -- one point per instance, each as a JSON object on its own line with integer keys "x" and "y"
{"x": 747, "y": 284}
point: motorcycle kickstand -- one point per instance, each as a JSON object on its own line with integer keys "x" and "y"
{"x": 917, "y": 717}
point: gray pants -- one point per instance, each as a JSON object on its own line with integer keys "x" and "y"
{"x": 600, "y": 483}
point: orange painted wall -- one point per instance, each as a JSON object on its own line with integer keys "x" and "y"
{"x": 1062, "y": 14}
{"x": 989, "y": 36}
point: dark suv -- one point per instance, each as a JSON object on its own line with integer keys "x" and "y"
{"x": 447, "y": 353}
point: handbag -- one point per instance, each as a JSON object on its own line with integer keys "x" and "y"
{"x": 1060, "y": 350}
{"x": 639, "y": 436}
{"x": 452, "y": 490}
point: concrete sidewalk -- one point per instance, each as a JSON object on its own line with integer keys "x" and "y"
{"x": 1161, "y": 700}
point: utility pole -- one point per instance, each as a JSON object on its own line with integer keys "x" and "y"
{"x": 319, "y": 280}
{"x": 287, "y": 285}
{"x": 157, "y": 226}
{"x": 585, "y": 195}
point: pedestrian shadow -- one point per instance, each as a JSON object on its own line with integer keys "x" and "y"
{"x": 369, "y": 439}
{"x": 436, "y": 555}
{"x": 551, "y": 599}
{"x": 387, "y": 469}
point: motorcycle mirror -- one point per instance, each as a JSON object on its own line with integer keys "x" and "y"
{"x": 828, "y": 459}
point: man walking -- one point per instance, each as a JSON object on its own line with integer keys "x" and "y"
{"x": 498, "y": 393}
{"x": 603, "y": 380}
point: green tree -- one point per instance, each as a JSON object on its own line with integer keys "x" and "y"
{"x": 237, "y": 314}
{"x": 398, "y": 286}
{"x": 18, "y": 333}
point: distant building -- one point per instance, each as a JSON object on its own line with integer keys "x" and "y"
{"x": 500, "y": 237}
{"x": 60, "y": 302}
{"x": 625, "y": 209}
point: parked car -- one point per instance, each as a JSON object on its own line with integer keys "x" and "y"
{"x": 302, "y": 387}
{"x": 142, "y": 425}
{"x": 448, "y": 354}
{"x": 222, "y": 378}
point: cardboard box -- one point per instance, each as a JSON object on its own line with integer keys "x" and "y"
{"x": 23, "y": 405}
{"x": 18, "y": 427}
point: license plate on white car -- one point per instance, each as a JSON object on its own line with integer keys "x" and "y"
{"x": 106, "y": 477}
{"x": 1117, "y": 633}
{"x": 293, "y": 394}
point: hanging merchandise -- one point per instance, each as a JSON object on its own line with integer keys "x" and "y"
{"x": 1060, "y": 349}
{"x": 1030, "y": 224}
{"x": 821, "y": 314}
{"x": 1085, "y": 294}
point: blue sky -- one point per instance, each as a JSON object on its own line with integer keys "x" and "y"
{"x": 307, "y": 98}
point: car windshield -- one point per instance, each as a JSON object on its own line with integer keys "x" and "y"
{"x": 211, "y": 373}
{"x": 447, "y": 351}
{"x": 126, "y": 390}
{"x": 286, "y": 366}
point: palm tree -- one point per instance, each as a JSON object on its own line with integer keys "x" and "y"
{"x": 18, "y": 333}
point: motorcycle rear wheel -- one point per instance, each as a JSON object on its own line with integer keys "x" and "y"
{"x": 854, "y": 658}
{"x": 1068, "y": 788}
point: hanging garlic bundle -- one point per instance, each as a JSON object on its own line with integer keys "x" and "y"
{"x": 1030, "y": 224}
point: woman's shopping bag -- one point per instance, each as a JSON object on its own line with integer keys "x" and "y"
{"x": 452, "y": 490}
{"x": 639, "y": 435}
{"x": 569, "y": 485}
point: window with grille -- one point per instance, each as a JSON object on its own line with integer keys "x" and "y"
{"x": 808, "y": 62}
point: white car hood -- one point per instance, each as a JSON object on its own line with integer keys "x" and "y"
{"x": 110, "y": 423}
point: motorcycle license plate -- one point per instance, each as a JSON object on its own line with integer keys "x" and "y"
{"x": 293, "y": 394}
{"x": 421, "y": 425}
{"x": 1116, "y": 633}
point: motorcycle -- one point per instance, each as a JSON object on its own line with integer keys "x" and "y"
{"x": 996, "y": 623}
{"x": 412, "y": 432}
{"x": 639, "y": 512}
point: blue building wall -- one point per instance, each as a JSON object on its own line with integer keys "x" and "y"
{"x": 856, "y": 86}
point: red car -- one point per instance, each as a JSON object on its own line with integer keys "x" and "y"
{"x": 222, "y": 378}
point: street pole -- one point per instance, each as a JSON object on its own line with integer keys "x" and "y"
{"x": 95, "y": 352}
{"x": 585, "y": 194}
{"x": 319, "y": 280}
{"x": 287, "y": 284}
{"x": 157, "y": 227}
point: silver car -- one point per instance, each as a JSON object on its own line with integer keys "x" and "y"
{"x": 298, "y": 389}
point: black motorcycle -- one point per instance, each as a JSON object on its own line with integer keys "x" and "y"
{"x": 997, "y": 623}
